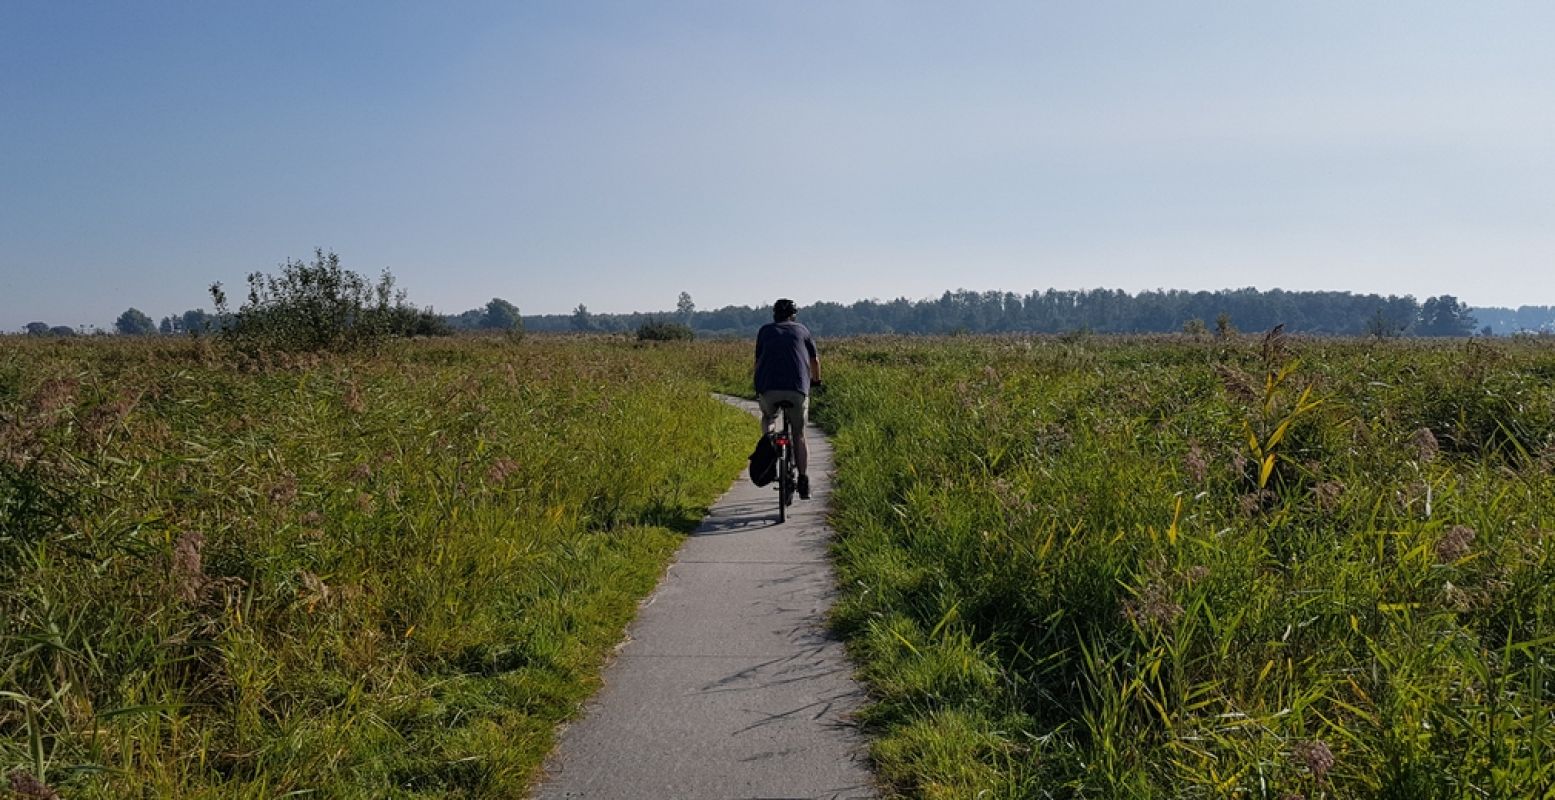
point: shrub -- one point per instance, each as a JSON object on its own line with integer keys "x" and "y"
{"x": 320, "y": 306}
{"x": 657, "y": 330}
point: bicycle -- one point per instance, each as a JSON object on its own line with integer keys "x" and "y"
{"x": 786, "y": 469}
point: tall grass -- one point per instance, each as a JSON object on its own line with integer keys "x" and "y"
{"x": 1159, "y": 568}
{"x": 330, "y": 576}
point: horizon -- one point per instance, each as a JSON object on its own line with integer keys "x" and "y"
{"x": 157, "y": 315}
{"x": 602, "y": 153}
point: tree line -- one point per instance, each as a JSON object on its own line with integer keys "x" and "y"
{"x": 321, "y": 305}
{"x": 1096, "y": 311}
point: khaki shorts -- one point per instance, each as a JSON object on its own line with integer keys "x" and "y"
{"x": 797, "y": 414}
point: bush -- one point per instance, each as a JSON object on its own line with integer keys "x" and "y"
{"x": 655, "y": 330}
{"x": 321, "y": 306}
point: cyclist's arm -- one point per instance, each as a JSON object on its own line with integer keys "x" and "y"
{"x": 815, "y": 369}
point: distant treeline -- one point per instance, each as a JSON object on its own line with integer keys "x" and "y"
{"x": 1099, "y": 311}
{"x": 962, "y": 311}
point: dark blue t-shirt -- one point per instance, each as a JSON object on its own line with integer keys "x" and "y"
{"x": 783, "y": 353}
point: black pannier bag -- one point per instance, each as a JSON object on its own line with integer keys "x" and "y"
{"x": 763, "y": 460}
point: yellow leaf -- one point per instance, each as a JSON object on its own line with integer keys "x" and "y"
{"x": 1230, "y": 781}
{"x": 1279, "y": 433}
{"x": 1171, "y": 532}
{"x": 1301, "y": 402}
{"x": 1047, "y": 546}
{"x": 1265, "y": 469}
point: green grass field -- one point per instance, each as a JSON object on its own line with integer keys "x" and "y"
{"x": 371, "y": 577}
{"x": 1071, "y": 567}
{"x": 1162, "y": 568}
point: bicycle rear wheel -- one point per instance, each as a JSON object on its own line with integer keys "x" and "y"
{"x": 782, "y": 495}
{"x": 785, "y": 472}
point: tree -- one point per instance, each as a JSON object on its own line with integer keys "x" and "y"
{"x": 582, "y": 320}
{"x": 501, "y": 316}
{"x": 37, "y": 329}
{"x": 62, "y": 331}
{"x": 134, "y": 322}
{"x": 685, "y": 308}
{"x": 1445, "y": 316}
{"x": 194, "y": 322}
{"x": 166, "y": 327}
{"x": 1223, "y": 326}
{"x": 1383, "y": 326}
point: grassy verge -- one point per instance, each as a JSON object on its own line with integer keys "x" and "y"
{"x": 339, "y": 577}
{"x": 1265, "y": 569}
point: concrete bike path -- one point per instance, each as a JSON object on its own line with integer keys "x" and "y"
{"x": 728, "y": 686}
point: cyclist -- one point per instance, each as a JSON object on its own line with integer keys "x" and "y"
{"x": 786, "y": 367}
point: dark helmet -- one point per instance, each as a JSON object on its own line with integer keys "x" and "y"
{"x": 784, "y": 309}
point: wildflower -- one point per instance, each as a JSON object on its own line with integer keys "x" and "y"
{"x": 314, "y": 591}
{"x": 1274, "y": 349}
{"x": 109, "y": 414}
{"x": 964, "y": 396}
{"x": 1254, "y": 502}
{"x": 352, "y": 399}
{"x": 53, "y": 395}
{"x": 1237, "y": 383}
{"x": 1011, "y": 498}
{"x": 1425, "y": 444}
{"x": 362, "y": 472}
{"x": 364, "y": 503}
{"x": 1454, "y": 544}
{"x": 284, "y": 491}
{"x": 1414, "y": 492}
{"x": 28, "y": 786}
{"x": 190, "y": 582}
{"x": 1154, "y": 602}
{"x": 500, "y": 470}
{"x": 1327, "y": 493}
{"x": 1316, "y": 757}
{"x": 1460, "y": 599}
{"x": 1195, "y": 463}
{"x": 188, "y": 568}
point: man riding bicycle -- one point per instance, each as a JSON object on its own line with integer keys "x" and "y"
{"x": 786, "y": 368}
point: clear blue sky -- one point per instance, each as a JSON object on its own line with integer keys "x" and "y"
{"x": 617, "y": 153}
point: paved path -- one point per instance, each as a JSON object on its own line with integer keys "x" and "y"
{"x": 728, "y": 687}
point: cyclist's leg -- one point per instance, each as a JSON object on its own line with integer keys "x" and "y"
{"x": 797, "y": 414}
{"x": 769, "y": 411}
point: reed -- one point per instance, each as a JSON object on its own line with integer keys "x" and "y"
{"x": 265, "y": 575}
{"x": 1255, "y": 567}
